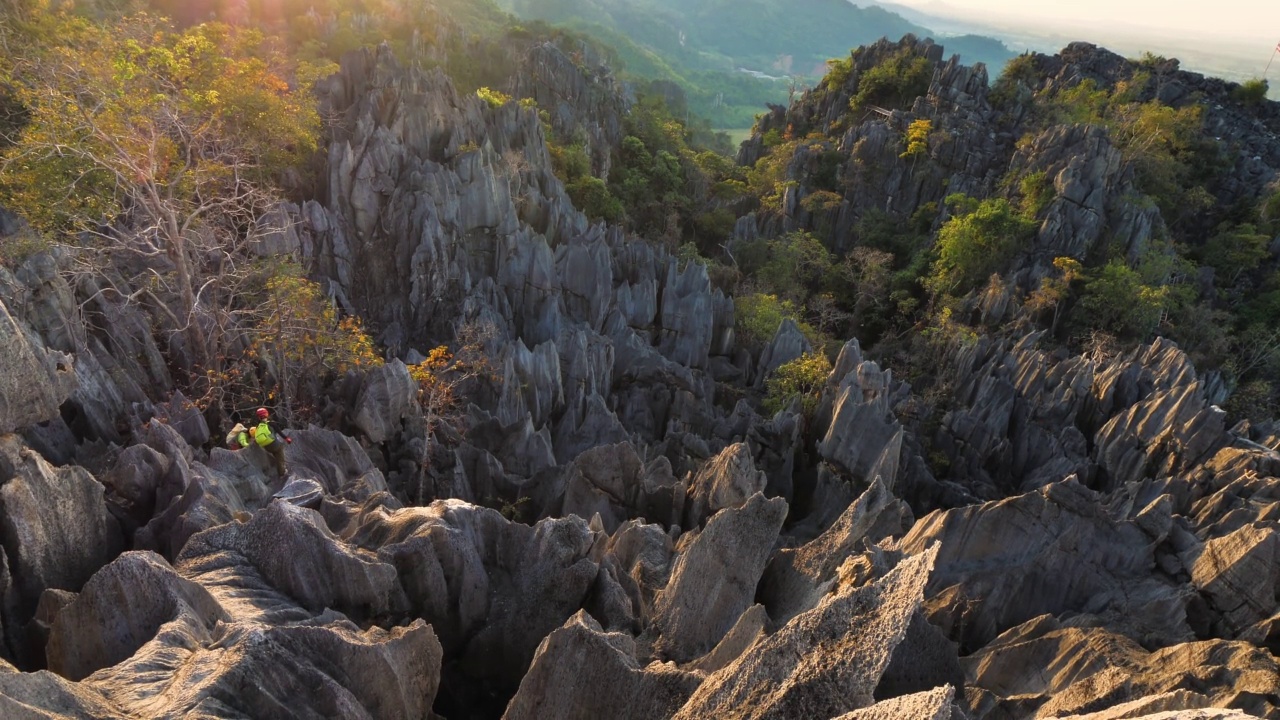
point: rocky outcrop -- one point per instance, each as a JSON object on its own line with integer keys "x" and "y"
{"x": 930, "y": 705}
{"x": 612, "y": 482}
{"x": 111, "y": 366}
{"x": 824, "y": 662}
{"x": 1238, "y": 575}
{"x": 295, "y": 552}
{"x": 34, "y": 382}
{"x": 122, "y": 608}
{"x": 1105, "y": 546}
{"x": 725, "y": 481}
{"x": 797, "y": 578}
{"x": 55, "y": 528}
{"x": 599, "y": 338}
{"x": 1048, "y": 668}
{"x": 863, "y": 440}
{"x": 1053, "y": 551}
{"x": 582, "y": 98}
{"x": 494, "y": 588}
{"x": 713, "y": 581}
{"x": 574, "y": 663}
{"x": 388, "y": 396}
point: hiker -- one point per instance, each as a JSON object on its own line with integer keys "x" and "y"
{"x": 268, "y": 438}
{"x": 238, "y": 438}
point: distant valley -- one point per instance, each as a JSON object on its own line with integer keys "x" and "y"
{"x": 731, "y": 58}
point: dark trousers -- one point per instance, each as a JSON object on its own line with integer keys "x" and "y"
{"x": 276, "y": 450}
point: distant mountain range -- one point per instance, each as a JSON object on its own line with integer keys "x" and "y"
{"x": 693, "y": 40}
{"x": 794, "y": 37}
{"x": 1237, "y": 59}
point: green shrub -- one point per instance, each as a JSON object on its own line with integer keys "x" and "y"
{"x": 592, "y": 196}
{"x": 803, "y": 377}
{"x": 798, "y": 265}
{"x": 15, "y": 249}
{"x": 1116, "y": 300}
{"x": 821, "y": 201}
{"x": 494, "y": 98}
{"x": 569, "y": 162}
{"x": 979, "y": 240}
{"x": 838, "y": 72}
{"x": 1020, "y": 74}
{"x": 757, "y": 317}
{"x": 1254, "y": 399}
{"x": 1251, "y": 92}
{"x": 1037, "y": 193}
{"x": 895, "y": 82}
{"x": 1233, "y": 251}
{"x": 917, "y": 138}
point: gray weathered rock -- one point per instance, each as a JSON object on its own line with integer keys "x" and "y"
{"x": 714, "y": 578}
{"x": 928, "y": 705}
{"x": 725, "y": 481}
{"x": 121, "y": 608}
{"x": 1239, "y": 576}
{"x": 580, "y": 671}
{"x": 494, "y": 588}
{"x": 1059, "y": 668}
{"x": 296, "y": 553}
{"x": 34, "y": 381}
{"x": 1053, "y": 551}
{"x": 824, "y": 662}
{"x": 788, "y": 344}
{"x": 797, "y": 578}
{"x": 334, "y": 460}
{"x": 863, "y": 440}
{"x": 611, "y": 480}
{"x": 348, "y": 672}
{"x": 56, "y": 528}
{"x": 387, "y": 396}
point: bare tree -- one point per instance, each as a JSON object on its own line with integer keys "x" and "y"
{"x": 161, "y": 146}
{"x": 445, "y": 378}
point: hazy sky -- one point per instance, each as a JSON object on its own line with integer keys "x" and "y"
{"x": 1217, "y": 18}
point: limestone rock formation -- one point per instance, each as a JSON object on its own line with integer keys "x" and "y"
{"x": 54, "y": 524}
{"x": 580, "y": 671}
{"x": 121, "y": 608}
{"x": 824, "y": 662}
{"x": 1053, "y": 551}
{"x": 1049, "y": 667}
{"x": 797, "y": 578}
{"x": 713, "y": 581}
{"x": 725, "y": 481}
{"x": 35, "y": 381}
{"x": 930, "y": 705}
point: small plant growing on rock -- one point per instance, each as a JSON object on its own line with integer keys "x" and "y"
{"x": 896, "y": 81}
{"x": 917, "y": 139}
{"x": 1251, "y": 93}
{"x": 494, "y": 98}
{"x": 803, "y": 377}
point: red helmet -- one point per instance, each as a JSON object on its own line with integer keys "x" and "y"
{"x": 262, "y": 413}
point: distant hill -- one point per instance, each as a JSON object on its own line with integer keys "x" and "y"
{"x": 780, "y": 39}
